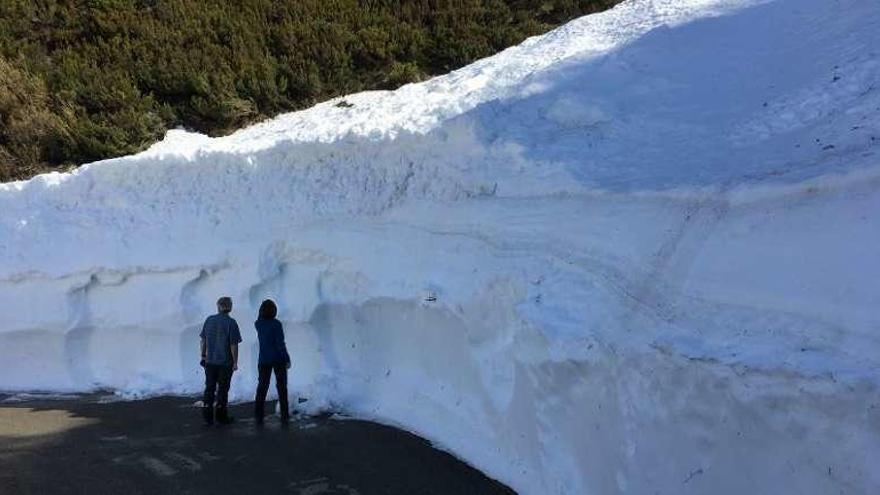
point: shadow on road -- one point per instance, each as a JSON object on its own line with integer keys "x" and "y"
{"x": 81, "y": 445}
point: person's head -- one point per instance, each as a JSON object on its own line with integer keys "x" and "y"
{"x": 224, "y": 304}
{"x": 268, "y": 310}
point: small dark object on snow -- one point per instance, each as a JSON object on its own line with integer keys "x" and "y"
{"x": 431, "y": 298}
{"x": 344, "y": 104}
{"x": 692, "y": 474}
{"x": 828, "y": 147}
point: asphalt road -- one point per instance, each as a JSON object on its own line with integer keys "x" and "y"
{"x": 84, "y": 445}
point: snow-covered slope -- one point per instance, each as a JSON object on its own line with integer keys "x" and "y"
{"x": 636, "y": 255}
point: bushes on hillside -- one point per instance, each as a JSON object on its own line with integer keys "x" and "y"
{"x": 30, "y": 133}
{"x": 84, "y": 80}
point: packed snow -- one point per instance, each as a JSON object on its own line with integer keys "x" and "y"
{"x": 638, "y": 254}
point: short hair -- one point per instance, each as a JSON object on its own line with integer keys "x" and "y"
{"x": 268, "y": 310}
{"x": 224, "y": 304}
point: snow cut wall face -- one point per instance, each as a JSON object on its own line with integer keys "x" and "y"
{"x": 634, "y": 255}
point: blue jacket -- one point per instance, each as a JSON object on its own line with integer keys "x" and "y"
{"x": 272, "y": 348}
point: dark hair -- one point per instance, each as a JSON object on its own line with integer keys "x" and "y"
{"x": 268, "y": 310}
{"x": 224, "y": 304}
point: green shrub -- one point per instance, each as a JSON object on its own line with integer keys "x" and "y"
{"x": 83, "y": 80}
{"x": 401, "y": 73}
{"x": 30, "y": 133}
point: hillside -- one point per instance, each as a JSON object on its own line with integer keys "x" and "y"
{"x": 93, "y": 79}
{"x": 636, "y": 254}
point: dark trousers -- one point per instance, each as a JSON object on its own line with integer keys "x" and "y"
{"x": 217, "y": 381}
{"x": 265, "y": 371}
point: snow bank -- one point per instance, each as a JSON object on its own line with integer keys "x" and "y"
{"x": 635, "y": 255}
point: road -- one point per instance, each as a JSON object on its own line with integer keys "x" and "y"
{"x": 88, "y": 445}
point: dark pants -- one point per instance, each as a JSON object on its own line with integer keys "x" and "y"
{"x": 263, "y": 387}
{"x": 217, "y": 381}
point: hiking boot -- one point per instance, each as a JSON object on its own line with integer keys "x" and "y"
{"x": 208, "y": 415}
{"x": 223, "y": 416}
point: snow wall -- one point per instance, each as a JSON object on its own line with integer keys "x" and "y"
{"x": 636, "y": 255}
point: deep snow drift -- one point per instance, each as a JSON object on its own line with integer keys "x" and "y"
{"x": 635, "y": 255}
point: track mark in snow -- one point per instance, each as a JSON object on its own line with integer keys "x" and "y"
{"x": 669, "y": 266}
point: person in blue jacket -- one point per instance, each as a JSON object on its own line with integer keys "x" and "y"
{"x": 273, "y": 357}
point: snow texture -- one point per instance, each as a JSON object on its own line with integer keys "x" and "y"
{"x": 638, "y": 254}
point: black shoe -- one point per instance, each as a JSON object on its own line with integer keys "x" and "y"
{"x": 208, "y": 415}
{"x": 223, "y": 416}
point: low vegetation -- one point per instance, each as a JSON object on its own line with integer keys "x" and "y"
{"x": 83, "y": 80}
